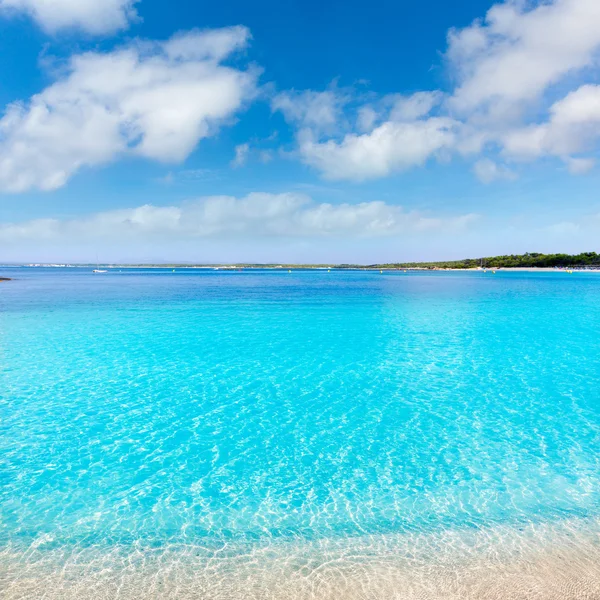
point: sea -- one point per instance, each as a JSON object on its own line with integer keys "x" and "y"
{"x": 304, "y": 435}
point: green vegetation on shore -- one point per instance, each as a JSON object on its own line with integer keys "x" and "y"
{"x": 527, "y": 260}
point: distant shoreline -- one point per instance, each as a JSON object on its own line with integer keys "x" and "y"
{"x": 238, "y": 268}
{"x": 530, "y": 261}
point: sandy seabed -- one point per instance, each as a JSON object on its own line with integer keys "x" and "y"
{"x": 534, "y": 562}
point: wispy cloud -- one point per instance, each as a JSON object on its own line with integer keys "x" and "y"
{"x": 241, "y": 155}
{"x": 488, "y": 171}
{"x": 257, "y": 215}
{"x": 189, "y": 175}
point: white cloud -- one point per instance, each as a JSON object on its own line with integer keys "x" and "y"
{"x": 243, "y": 152}
{"x": 390, "y": 147}
{"x": 159, "y": 99}
{"x": 573, "y": 127}
{"x": 397, "y": 108}
{"x": 516, "y": 52}
{"x": 241, "y": 155}
{"x": 94, "y": 16}
{"x": 507, "y": 66}
{"x": 415, "y": 106}
{"x": 207, "y": 44}
{"x": 393, "y": 133}
{"x": 488, "y": 171}
{"x": 257, "y": 215}
{"x": 155, "y": 100}
{"x": 318, "y": 111}
{"x": 366, "y": 119}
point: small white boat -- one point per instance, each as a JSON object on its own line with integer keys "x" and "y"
{"x": 98, "y": 269}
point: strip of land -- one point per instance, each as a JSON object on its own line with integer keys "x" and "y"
{"x": 528, "y": 261}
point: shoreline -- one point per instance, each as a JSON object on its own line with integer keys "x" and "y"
{"x": 546, "y": 562}
{"x": 522, "y": 269}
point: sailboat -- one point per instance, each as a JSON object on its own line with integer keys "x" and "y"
{"x": 98, "y": 269}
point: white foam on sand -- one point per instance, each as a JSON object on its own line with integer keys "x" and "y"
{"x": 544, "y": 562}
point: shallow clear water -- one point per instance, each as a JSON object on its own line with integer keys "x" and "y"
{"x": 207, "y": 408}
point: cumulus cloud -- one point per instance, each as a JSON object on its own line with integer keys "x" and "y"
{"x": 155, "y": 100}
{"x": 394, "y": 134}
{"x": 392, "y": 146}
{"x": 93, "y": 16}
{"x": 506, "y": 67}
{"x": 257, "y": 215}
{"x": 516, "y": 52}
{"x": 573, "y": 127}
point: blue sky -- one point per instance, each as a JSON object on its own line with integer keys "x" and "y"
{"x": 297, "y": 131}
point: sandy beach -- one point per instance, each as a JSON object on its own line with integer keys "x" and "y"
{"x": 541, "y": 563}
{"x": 508, "y": 270}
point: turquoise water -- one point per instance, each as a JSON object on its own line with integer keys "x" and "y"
{"x": 209, "y": 407}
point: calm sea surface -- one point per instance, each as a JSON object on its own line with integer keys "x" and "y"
{"x": 212, "y": 409}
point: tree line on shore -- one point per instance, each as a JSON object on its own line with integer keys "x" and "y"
{"x": 529, "y": 259}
